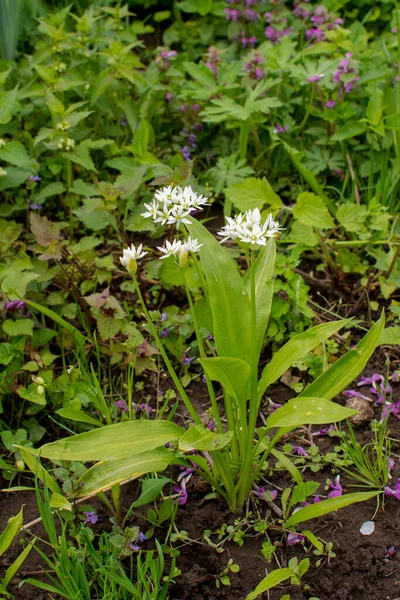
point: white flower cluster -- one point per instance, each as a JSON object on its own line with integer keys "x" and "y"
{"x": 181, "y": 249}
{"x": 130, "y": 256}
{"x": 68, "y": 143}
{"x": 63, "y": 126}
{"x": 247, "y": 228}
{"x": 173, "y": 205}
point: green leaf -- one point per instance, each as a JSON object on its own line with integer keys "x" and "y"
{"x": 343, "y": 372}
{"x": 308, "y": 411}
{"x": 53, "y": 189}
{"x": 198, "y": 437}
{"x": 151, "y": 489}
{"x": 253, "y": 193}
{"x": 327, "y": 506}
{"x": 6, "y": 353}
{"x": 79, "y": 339}
{"x": 75, "y": 414}
{"x": 297, "y": 347}
{"x": 350, "y": 130}
{"x": 15, "y": 284}
{"x": 94, "y": 215}
{"x": 114, "y": 442}
{"x": 232, "y": 373}
{"x": 201, "y": 73}
{"x": 352, "y": 216}
{"x": 59, "y": 502}
{"x": 8, "y": 105}
{"x": 228, "y": 299}
{"x": 131, "y": 180}
{"x": 13, "y": 526}
{"x": 35, "y": 466}
{"x": 14, "y": 178}
{"x": 18, "y": 327}
{"x": 287, "y": 463}
{"x": 15, "y": 154}
{"x": 55, "y": 105}
{"x": 264, "y": 267}
{"x": 45, "y": 586}
{"x": 106, "y": 474}
{"x": 13, "y": 569}
{"x": 390, "y": 335}
{"x": 270, "y": 581}
{"x": 141, "y": 139}
{"x": 311, "y": 210}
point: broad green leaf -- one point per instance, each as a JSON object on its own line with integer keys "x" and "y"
{"x": 6, "y": 353}
{"x": 253, "y": 193}
{"x": 32, "y": 395}
{"x": 390, "y": 335}
{"x": 104, "y": 475}
{"x": 52, "y": 189}
{"x": 308, "y": 411}
{"x": 270, "y": 581}
{"x": 13, "y": 526}
{"x": 350, "y": 130}
{"x": 15, "y": 154}
{"x": 151, "y": 489}
{"x": 311, "y": 210}
{"x": 393, "y": 122}
{"x": 327, "y": 506}
{"x": 198, "y": 437}
{"x": 39, "y": 471}
{"x": 8, "y": 105}
{"x": 297, "y": 347}
{"x": 113, "y": 442}
{"x": 232, "y": 373}
{"x": 14, "y": 568}
{"x": 15, "y": 284}
{"x": 343, "y": 372}
{"x": 59, "y": 502}
{"x": 75, "y": 414}
{"x": 352, "y": 216}
{"x": 18, "y": 327}
{"x": 229, "y": 301}
{"x": 264, "y": 275}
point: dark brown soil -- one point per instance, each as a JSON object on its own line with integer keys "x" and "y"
{"x": 360, "y": 570}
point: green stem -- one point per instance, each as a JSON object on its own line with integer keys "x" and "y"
{"x": 202, "y": 354}
{"x": 167, "y": 362}
{"x": 310, "y": 103}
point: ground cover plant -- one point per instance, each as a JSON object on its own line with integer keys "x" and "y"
{"x": 199, "y": 285}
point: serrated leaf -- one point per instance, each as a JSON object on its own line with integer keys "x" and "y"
{"x": 311, "y": 210}
{"x": 253, "y": 193}
{"x": 8, "y": 105}
{"x": 18, "y": 327}
{"x": 15, "y": 154}
{"x": 352, "y": 216}
{"x": 15, "y": 284}
{"x": 45, "y": 231}
{"x": 52, "y": 189}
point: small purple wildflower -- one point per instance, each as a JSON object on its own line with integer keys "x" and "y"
{"x": 168, "y": 97}
{"x": 121, "y": 405}
{"x": 134, "y": 547}
{"x": 34, "y": 178}
{"x": 164, "y": 316}
{"x": 15, "y": 305}
{"x": 91, "y": 517}
{"x": 395, "y": 491}
{"x": 123, "y": 121}
{"x": 211, "y": 425}
{"x": 299, "y": 450}
{"x": 294, "y": 538}
{"x": 330, "y": 104}
{"x": 141, "y": 537}
{"x": 336, "y": 488}
{"x": 262, "y": 491}
{"x": 185, "y": 151}
{"x": 165, "y": 332}
{"x": 315, "y": 78}
{"x": 34, "y": 206}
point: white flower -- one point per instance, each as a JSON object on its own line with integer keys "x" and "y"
{"x": 173, "y": 205}
{"x": 192, "y": 244}
{"x": 178, "y": 214}
{"x": 130, "y": 256}
{"x": 170, "y": 248}
{"x": 248, "y": 228}
{"x": 152, "y": 210}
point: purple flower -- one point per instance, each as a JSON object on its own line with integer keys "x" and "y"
{"x": 34, "y": 178}
{"x": 299, "y": 450}
{"x": 314, "y": 33}
{"x": 278, "y": 129}
{"x": 192, "y": 140}
{"x": 186, "y": 360}
{"x": 134, "y": 547}
{"x": 330, "y": 104}
{"x": 164, "y": 316}
{"x": 183, "y": 494}
{"x": 294, "y": 538}
{"x": 15, "y": 305}
{"x": 250, "y": 15}
{"x": 389, "y": 553}
{"x": 262, "y": 491}
{"x": 395, "y": 491}
{"x": 185, "y": 151}
{"x": 315, "y": 78}
{"x": 121, "y": 405}
{"x": 325, "y": 430}
{"x": 141, "y": 537}
{"x": 336, "y": 488}
{"x": 231, "y": 14}
{"x": 91, "y": 517}
{"x": 34, "y": 206}
{"x": 165, "y": 332}
{"x": 144, "y": 407}
{"x": 123, "y": 121}
{"x": 211, "y": 425}
{"x": 168, "y": 97}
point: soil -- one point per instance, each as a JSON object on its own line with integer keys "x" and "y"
{"x": 360, "y": 570}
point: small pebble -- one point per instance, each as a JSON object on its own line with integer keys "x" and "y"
{"x": 364, "y": 408}
{"x": 367, "y": 528}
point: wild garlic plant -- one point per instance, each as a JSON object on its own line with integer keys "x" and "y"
{"x": 233, "y": 457}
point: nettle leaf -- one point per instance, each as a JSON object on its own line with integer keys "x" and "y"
{"x": 8, "y": 105}
{"x": 94, "y": 215}
{"x": 253, "y": 193}
{"x": 53, "y": 189}
{"x": 352, "y": 216}
{"x": 311, "y": 210}
{"x": 15, "y": 154}
{"x": 14, "y": 178}
{"x": 15, "y": 284}
{"x": 45, "y": 232}
{"x": 18, "y": 327}
{"x": 350, "y": 130}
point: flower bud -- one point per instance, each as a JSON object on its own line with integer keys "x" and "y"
{"x": 183, "y": 256}
{"x": 40, "y": 390}
{"x": 20, "y": 465}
